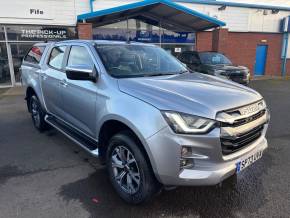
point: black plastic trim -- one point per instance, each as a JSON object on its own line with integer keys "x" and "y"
{"x": 72, "y": 132}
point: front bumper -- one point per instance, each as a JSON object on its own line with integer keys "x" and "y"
{"x": 210, "y": 165}
{"x": 243, "y": 79}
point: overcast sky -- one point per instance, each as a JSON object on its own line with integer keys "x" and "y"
{"x": 285, "y": 3}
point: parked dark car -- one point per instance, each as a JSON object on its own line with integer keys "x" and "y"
{"x": 215, "y": 63}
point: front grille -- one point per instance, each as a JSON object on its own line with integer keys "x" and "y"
{"x": 238, "y": 76}
{"x": 238, "y": 131}
{"x": 243, "y": 121}
{"x": 233, "y": 144}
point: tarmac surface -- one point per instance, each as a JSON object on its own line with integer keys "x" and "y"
{"x": 47, "y": 175}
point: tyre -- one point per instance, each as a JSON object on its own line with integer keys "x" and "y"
{"x": 129, "y": 172}
{"x": 37, "y": 114}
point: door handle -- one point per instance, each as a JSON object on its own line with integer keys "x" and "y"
{"x": 63, "y": 83}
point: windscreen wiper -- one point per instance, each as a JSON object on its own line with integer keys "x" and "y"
{"x": 159, "y": 74}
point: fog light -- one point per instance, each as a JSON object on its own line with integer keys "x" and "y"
{"x": 186, "y": 160}
{"x": 186, "y": 151}
{"x": 186, "y": 163}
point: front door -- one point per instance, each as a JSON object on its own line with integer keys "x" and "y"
{"x": 79, "y": 97}
{"x": 261, "y": 58}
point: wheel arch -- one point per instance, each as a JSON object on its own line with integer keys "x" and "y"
{"x": 111, "y": 127}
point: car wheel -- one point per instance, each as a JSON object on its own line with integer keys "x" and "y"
{"x": 37, "y": 114}
{"x": 129, "y": 172}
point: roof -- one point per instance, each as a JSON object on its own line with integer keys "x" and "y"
{"x": 168, "y": 14}
{"x": 103, "y": 42}
{"x": 236, "y": 4}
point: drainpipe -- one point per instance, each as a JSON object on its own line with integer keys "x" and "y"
{"x": 285, "y": 50}
{"x": 92, "y": 5}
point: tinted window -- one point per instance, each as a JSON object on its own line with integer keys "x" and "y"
{"x": 186, "y": 58}
{"x": 190, "y": 58}
{"x": 138, "y": 60}
{"x": 194, "y": 59}
{"x": 35, "y": 54}
{"x": 56, "y": 57}
{"x": 79, "y": 56}
{"x": 213, "y": 58}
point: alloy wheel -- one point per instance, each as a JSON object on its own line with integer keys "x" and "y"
{"x": 125, "y": 169}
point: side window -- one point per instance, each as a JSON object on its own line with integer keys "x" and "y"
{"x": 56, "y": 57}
{"x": 35, "y": 54}
{"x": 185, "y": 58}
{"x": 79, "y": 56}
{"x": 195, "y": 59}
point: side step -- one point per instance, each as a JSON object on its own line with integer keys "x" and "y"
{"x": 85, "y": 142}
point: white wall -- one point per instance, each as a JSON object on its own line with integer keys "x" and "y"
{"x": 105, "y": 4}
{"x": 243, "y": 19}
{"x": 55, "y": 12}
{"x": 285, "y": 3}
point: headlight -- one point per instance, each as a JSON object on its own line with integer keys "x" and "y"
{"x": 188, "y": 124}
{"x": 220, "y": 73}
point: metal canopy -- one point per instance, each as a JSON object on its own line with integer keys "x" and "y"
{"x": 163, "y": 13}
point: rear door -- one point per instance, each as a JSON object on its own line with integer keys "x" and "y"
{"x": 79, "y": 97}
{"x": 51, "y": 76}
{"x": 30, "y": 67}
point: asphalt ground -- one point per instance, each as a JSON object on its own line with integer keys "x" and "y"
{"x": 47, "y": 175}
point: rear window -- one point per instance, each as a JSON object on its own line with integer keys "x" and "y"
{"x": 213, "y": 58}
{"x": 35, "y": 54}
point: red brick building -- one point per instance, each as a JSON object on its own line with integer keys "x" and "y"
{"x": 240, "y": 47}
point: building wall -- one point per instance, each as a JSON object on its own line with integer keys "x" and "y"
{"x": 243, "y": 19}
{"x": 64, "y": 12}
{"x": 55, "y": 12}
{"x": 241, "y": 49}
{"x": 247, "y": 26}
{"x": 101, "y": 4}
{"x": 204, "y": 41}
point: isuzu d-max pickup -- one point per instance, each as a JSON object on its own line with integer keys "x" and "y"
{"x": 152, "y": 121}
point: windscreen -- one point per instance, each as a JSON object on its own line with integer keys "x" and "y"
{"x": 128, "y": 60}
{"x": 213, "y": 58}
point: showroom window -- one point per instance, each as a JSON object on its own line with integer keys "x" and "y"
{"x": 17, "y": 40}
{"x": 141, "y": 31}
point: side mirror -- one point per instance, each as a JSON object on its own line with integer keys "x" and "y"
{"x": 81, "y": 72}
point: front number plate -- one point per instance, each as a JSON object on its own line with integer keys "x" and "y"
{"x": 243, "y": 164}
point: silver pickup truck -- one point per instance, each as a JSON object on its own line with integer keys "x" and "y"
{"x": 153, "y": 122}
